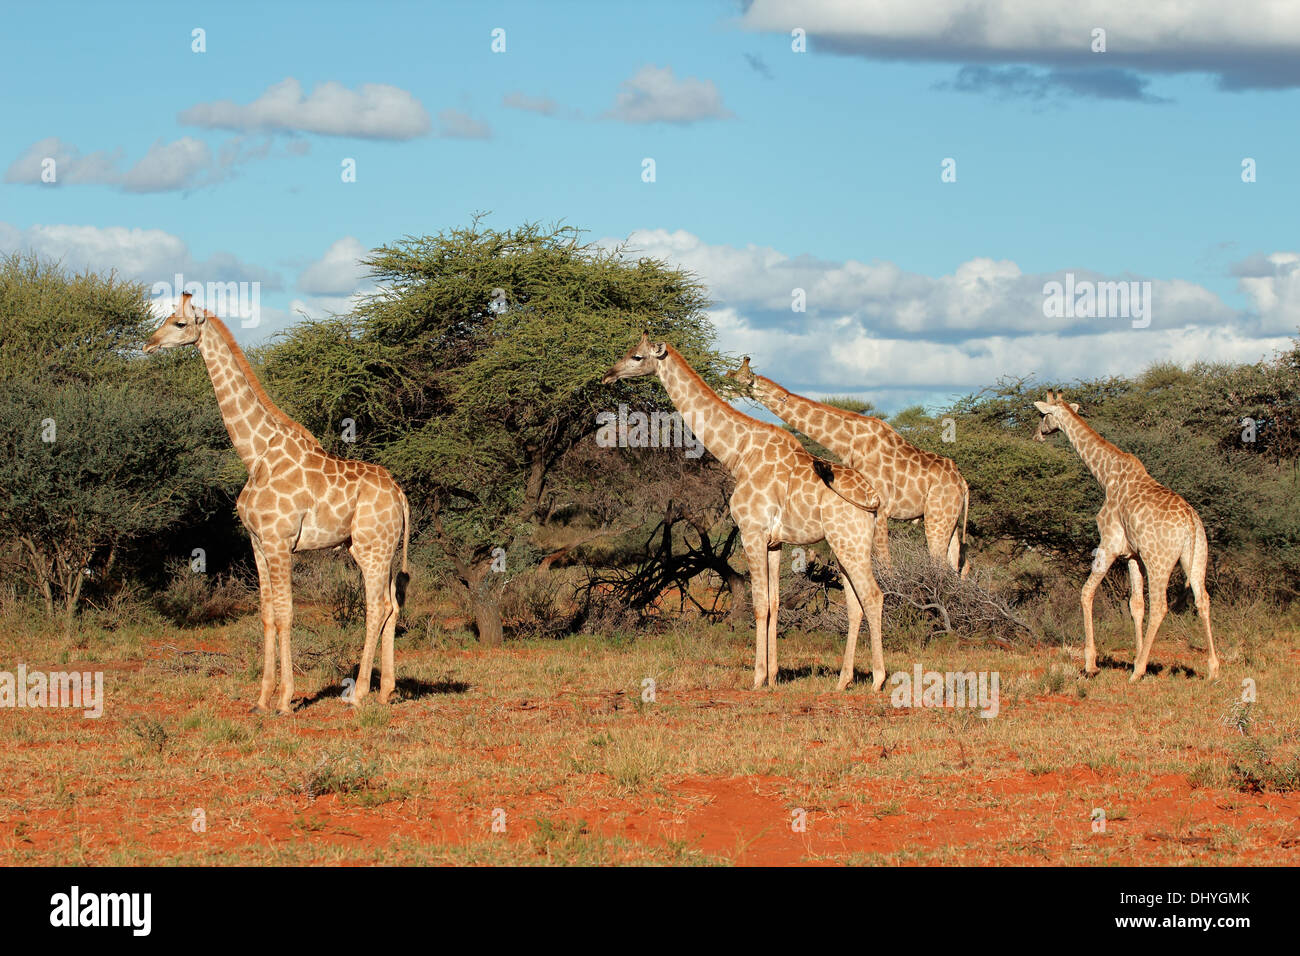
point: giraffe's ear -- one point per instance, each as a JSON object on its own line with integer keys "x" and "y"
{"x": 745, "y": 364}
{"x": 1075, "y": 407}
{"x": 660, "y": 350}
{"x": 1042, "y": 407}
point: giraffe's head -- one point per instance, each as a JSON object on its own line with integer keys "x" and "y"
{"x": 182, "y": 327}
{"x": 743, "y": 374}
{"x": 1052, "y": 411}
{"x": 641, "y": 359}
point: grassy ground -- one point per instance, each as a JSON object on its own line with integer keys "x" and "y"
{"x": 553, "y": 743}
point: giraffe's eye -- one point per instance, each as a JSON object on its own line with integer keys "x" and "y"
{"x": 180, "y": 324}
{"x": 636, "y": 358}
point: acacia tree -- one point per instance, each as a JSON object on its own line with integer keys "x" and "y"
{"x": 89, "y": 461}
{"x": 475, "y": 368}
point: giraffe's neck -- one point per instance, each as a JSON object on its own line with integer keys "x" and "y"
{"x": 251, "y": 418}
{"x": 819, "y": 422}
{"x": 723, "y": 430}
{"x": 1095, "y": 451}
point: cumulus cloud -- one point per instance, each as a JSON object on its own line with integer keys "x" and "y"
{"x": 147, "y": 255}
{"x": 182, "y": 164}
{"x": 900, "y": 337}
{"x": 372, "y": 111}
{"x": 980, "y": 295}
{"x": 654, "y": 95}
{"x": 338, "y": 272}
{"x": 1272, "y": 283}
{"x": 186, "y": 163}
{"x": 1245, "y": 45}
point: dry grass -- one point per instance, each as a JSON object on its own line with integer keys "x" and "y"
{"x": 557, "y": 736}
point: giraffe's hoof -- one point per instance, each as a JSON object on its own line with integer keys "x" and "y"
{"x": 878, "y": 683}
{"x": 842, "y": 684}
{"x": 259, "y": 709}
{"x": 758, "y": 683}
{"x": 1092, "y": 671}
{"x": 1137, "y": 676}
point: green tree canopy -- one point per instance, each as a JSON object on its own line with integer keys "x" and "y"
{"x": 477, "y": 366}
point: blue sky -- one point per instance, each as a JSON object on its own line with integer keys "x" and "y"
{"x": 775, "y": 169}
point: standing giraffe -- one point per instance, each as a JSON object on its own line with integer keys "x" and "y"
{"x": 1141, "y": 520}
{"x": 783, "y": 495}
{"x": 912, "y": 483}
{"x": 299, "y": 498}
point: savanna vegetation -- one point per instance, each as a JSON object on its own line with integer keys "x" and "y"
{"x": 473, "y": 374}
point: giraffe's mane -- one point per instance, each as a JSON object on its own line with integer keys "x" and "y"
{"x": 843, "y": 413}
{"x": 245, "y": 369}
{"x": 1095, "y": 435}
{"x": 698, "y": 380}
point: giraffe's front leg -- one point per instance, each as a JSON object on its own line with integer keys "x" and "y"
{"x": 267, "y": 608}
{"x": 280, "y": 565}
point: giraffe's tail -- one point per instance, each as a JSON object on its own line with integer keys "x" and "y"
{"x": 963, "y": 553}
{"x": 403, "y": 576}
{"x": 850, "y": 485}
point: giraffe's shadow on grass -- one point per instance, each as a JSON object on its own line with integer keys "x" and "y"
{"x": 408, "y": 688}
{"x": 1154, "y": 668}
{"x": 786, "y": 674}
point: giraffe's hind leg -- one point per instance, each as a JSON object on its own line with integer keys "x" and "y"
{"x": 854, "y": 608}
{"x": 1157, "y": 585}
{"x": 756, "y": 555}
{"x": 1102, "y": 560}
{"x": 855, "y": 559}
{"x": 375, "y": 571}
{"x": 1194, "y": 569}
{"x": 773, "y": 610}
{"x": 1135, "y": 603}
{"x": 880, "y": 540}
{"x": 943, "y": 528}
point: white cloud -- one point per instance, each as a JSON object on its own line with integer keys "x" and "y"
{"x": 147, "y": 255}
{"x": 1249, "y": 43}
{"x": 875, "y": 330}
{"x": 166, "y": 166}
{"x": 1274, "y": 289}
{"x": 373, "y": 111}
{"x": 655, "y": 95}
{"x": 981, "y": 295}
{"x": 338, "y": 272}
{"x": 453, "y": 124}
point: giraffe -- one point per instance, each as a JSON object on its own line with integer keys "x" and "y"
{"x": 1142, "y": 521}
{"x": 912, "y": 483}
{"x": 299, "y": 498}
{"x": 783, "y": 495}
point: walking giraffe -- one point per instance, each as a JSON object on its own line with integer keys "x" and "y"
{"x": 299, "y": 498}
{"x": 912, "y": 483}
{"x": 783, "y": 495}
{"x": 1141, "y": 520}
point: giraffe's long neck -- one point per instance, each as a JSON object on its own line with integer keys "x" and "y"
{"x": 251, "y": 418}
{"x": 1095, "y": 451}
{"x": 814, "y": 419}
{"x": 723, "y": 430}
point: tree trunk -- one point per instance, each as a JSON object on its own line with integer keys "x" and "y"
{"x": 487, "y": 618}
{"x": 739, "y": 596}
